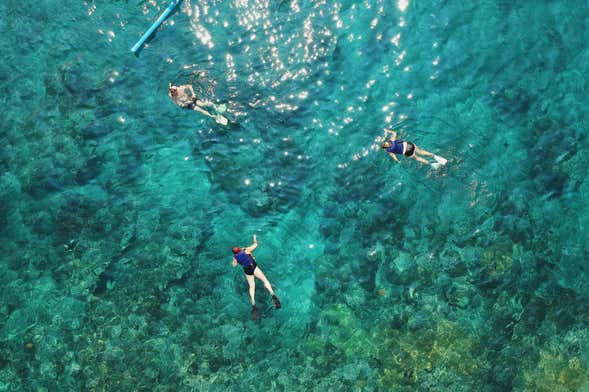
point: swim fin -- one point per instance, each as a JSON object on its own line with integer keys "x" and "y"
{"x": 221, "y": 108}
{"x": 277, "y": 303}
{"x": 221, "y": 120}
{"x": 255, "y": 313}
{"x": 442, "y": 161}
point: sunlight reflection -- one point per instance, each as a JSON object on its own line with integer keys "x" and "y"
{"x": 400, "y": 58}
{"x": 395, "y": 39}
{"x": 113, "y": 76}
{"x": 231, "y": 73}
{"x": 200, "y": 32}
{"x": 91, "y": 9}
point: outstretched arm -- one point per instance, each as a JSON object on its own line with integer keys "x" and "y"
{"x": 253, "y": 246}
{"x": 392, "y": 133}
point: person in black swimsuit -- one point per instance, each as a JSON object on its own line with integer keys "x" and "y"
{"x": 394, "y": 146}
{"x": 185, "y": 97}
{"x": 245, "y": 258}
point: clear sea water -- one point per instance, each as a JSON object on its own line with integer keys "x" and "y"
{"x": 118, "y": 210}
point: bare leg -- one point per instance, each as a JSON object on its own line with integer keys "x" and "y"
{"x": 201, "y": 110}
{"x": 260, "y": 275}
{"x": 420, "y": 159}
{"x": 205, "y": 103}
{"x": 423, "y": 152}
{"x": 439, "y": 160}
{"x": 220, "y": 119}
{"x": 252, "y": 284}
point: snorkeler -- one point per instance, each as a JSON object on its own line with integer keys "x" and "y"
{"x": 185, "y": 97}
{"x": 244, "y": 257}
{"x": 410, "y": 150}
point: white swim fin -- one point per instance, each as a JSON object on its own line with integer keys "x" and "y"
{"x": 436, "y": 165}
{"x": 221, "y": 120}
{"x": 440, "y": 160}
{"x": 221, "y": 108}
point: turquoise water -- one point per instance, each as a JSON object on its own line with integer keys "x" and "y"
{"x": 119, "y": 210}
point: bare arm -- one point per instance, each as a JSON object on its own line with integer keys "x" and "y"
{"x": 234, "y": 262}
{"x": 253, "y": 246}
{"x": 394, "y": 156}
{"x": 392, "y": 133}
{"x": 189, "y": 87}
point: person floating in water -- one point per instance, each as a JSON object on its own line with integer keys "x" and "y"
{"x": 244, "y": 257}
{"x": 394, "y": 146}
{"x": 185, "y": 97}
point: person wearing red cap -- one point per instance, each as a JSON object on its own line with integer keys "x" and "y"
{"x": 245, "y": 258}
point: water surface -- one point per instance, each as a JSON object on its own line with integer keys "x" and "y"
{"x": 118, "y": 209}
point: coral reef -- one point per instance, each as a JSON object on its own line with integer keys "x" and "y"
{"x": 118, "y": 210}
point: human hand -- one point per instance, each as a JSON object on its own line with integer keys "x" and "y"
{"x": 255, "y": 240}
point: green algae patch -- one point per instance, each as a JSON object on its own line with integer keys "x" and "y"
{"x": 414, "y": 358}
{"x": 497, "y": 259}
{"x": 346, "y": 332}
{"x": 555, "y": 373}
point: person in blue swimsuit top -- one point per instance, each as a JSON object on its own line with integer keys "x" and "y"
{"x": 396, "y": 147}
{"x": 245, "y": 258}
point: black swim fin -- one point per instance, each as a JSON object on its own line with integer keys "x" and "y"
{"x": 277, "y": 303}
{"x": 255, "y": 313}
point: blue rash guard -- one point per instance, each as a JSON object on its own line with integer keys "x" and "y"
{"x": 244, "y": 259}
{"x": 396, "y": 147}
{"x": 247, "y": 261}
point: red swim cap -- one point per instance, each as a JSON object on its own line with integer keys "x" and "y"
{"x": 236, "y": 249}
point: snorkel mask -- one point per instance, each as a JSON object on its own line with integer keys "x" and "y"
{"x": 173, "y": 90}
